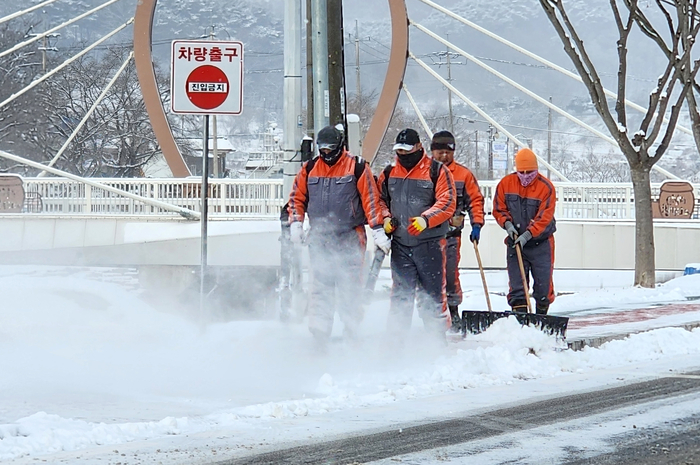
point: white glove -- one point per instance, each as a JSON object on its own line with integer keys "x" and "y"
{"x": 381, "y": 240}
{"x": 296, "y": 232}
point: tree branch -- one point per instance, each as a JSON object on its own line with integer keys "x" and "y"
{"x": 673, "y": 119}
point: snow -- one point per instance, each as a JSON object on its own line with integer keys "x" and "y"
{"x": 91, "y": 365}
{"x": 583, "y": 438}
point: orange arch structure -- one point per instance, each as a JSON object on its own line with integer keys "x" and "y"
{"x": 393, "y": 81}
{"x": 143, "y": 33}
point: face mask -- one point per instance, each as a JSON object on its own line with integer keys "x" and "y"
{"x": 410, "y": 160}
{"x": 333, "y": 156}
{"x": 526, "y": 179}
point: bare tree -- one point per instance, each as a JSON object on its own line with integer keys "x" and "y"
{"x": 639, "y": 147}
{"x": 686, "y": 16}
{"x": 117, "y": 140}
{"x": 17, "y": 70}
{"x": 594, "y": 168}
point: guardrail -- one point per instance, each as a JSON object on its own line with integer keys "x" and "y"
{"x": 240, "y": 198}
{"x": 227, "y": 197}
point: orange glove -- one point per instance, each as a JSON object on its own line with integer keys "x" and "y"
{"x": 417, "y": 225}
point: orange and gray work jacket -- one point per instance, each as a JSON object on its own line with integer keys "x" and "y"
{"x": 469, "y": 198}
{"x": 529, "y": 208}
{"x": 335, "y": 199}
{"x": 407, "y": 194}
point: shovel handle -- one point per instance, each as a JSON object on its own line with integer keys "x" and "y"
{"x": 522, "y": 274}
{"x": 483, "y": 276}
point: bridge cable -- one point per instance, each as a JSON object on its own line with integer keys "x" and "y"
{"x": 417, "y": 110}
{"x": 64, "y": 64}
{"x": 483, "y": 114}
{"x": 528, "y": 92}
{"x": 88, "y": 114}
{"x": 28, "y": 10}
{"x": 189, "y": 214}
{"x": 60, "y": 26}
{"x": 538, "y": 58}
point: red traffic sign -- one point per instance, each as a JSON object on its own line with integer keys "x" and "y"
{"x": 207, "y": 87}
{"x": 206, "y": 77}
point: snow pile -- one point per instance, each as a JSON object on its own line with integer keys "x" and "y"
{"x": 86, "y": 363}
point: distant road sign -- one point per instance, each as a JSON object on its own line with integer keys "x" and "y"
{"x": 207, "y": 77}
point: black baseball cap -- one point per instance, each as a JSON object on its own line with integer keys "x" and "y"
{"x": 406, "y": 139}
{"x": 443, "y": 140}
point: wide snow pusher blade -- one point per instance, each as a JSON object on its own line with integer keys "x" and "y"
{"x": 475, "y": 322}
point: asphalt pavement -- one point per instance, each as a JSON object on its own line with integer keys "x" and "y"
{"x": 674, "y": 444}
{"x": 411, "y": 439}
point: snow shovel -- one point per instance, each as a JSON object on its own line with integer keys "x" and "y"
{"x": 474, "y": 321}
{"x": 477, "y": 322}
{"x": 550, "y": 324}
{"x": 374, "y": 273}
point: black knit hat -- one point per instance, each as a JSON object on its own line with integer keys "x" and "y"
{"x": 443, "y": 140}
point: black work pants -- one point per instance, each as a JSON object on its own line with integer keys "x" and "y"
{"x": 453, "y": 255}
{"x": 418, "y": 268}
{"x": 538, "y": 261}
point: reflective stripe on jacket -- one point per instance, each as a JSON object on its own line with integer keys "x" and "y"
{"x": 334, "y": 198}
{"x": 528, "y": 208}
{"x": 469, "y": 197}
{"x": 411, "y": 194}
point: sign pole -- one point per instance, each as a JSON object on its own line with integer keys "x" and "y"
{"x": 206, "y": 79}
{"x": 205, "y": 210}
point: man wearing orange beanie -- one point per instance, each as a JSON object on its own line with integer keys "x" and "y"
{"x": 524, "y": 206}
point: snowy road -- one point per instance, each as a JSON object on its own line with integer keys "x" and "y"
{"x": 458, "y": 439}
{"x": 93, "y": 371}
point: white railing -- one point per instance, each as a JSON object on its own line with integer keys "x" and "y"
{"x": 227, "y": 197}
{"x": 239, "y": 198}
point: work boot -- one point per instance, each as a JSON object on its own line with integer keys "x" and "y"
{"x": 542, "y": 308}
{"x": 456, "y": 320}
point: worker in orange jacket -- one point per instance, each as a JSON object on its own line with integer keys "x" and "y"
{"x": 418, "y": 199}
{"x": 524, "y": 206}
{"x": 470, "y": 202}
{"x": 339, "y": 194}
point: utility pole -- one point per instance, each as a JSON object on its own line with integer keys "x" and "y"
{"x": 490, "y": 148}
{"x": 549, "y": 137}
{"x": 336, "y": 63}
{"x": 319, "y": 18}
{"x": 449, "y": 92}
{"x": 291, "y": 143}
{"x": 448, "y": 62}
{"x": 476, "y": 151}
{"x": 43, "y": 46}
{"x": 45, "y": 43}
{"x": 357, "y": 62}
{"x": 310, "y": 100}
